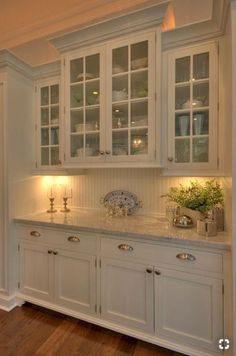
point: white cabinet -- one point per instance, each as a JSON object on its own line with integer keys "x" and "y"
{"x": 192, "y": 85}
{"x": 52, "y": 274}
{"x": 36, "y": 272}
{"x": 188, "y": 308}
{"x": 48, "y": 123}
{"x": 110, "y": 107}
{"x": 127, "y": 294}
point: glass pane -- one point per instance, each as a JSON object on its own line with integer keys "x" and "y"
{"x": 119, "y": 143}
{"x": 200, "y": 149}
{"x": 92, "y": 145}
{"x": 44, "y": 137}
{"x": 76, "y": 70}
{"x": 76, "y": 96}
{"x": 44, "y": 116}
{"x": 119, "y": 116}
{"x": 139, "y": 55}
{"x": 201, "y": 66}
{"x": 92, "y": 93}
{"x": 182, "y": 124}
{"x": 92, "y": 64}
{"x": 54, "y": 156}
{"x": 139, "y": 113}
{"x": 200, "y": 95}
{"x": 120, "y": 88}
{"x": 182, "y": 150}
{"x": 54, "y": 115}
{"x": 182, "y": 70}
{"x": 182, "y": 97}
{"x": 120, "y": 60}
{"x": 77, "y": 121}
{"x": 92, "y": 119}
{"x": 44, "y": 96}
{"x": 139, "y": 141}
{"x": 55, "y": 136}
{"x": 45, "y": 156}
{"x": 77, "y": 146}
{"x": 201, "y": 123}
{"x": 139, "y": 84}
{"x": 54, "y": 94}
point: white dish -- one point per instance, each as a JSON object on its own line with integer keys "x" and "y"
{"x": 119, "y": 95}
{"x": 123, "y": 198}
{"x": 86, "y": 75}
{"x": 196, "y": 104}
{"x": 139, "y": 63}
{"x": 117, "y": 69}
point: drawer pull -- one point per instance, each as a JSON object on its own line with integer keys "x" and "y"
{"x": 35, "y": 233}
{"x": 157, "y": 272}
{"x": 55, "y": 253}
{"x": 186, "y": 257}
{"x": 73, "y": 239}
{"x": 149, "y": 270}
{"x": 50, "y": 252}
{"x": 125, "y": 247}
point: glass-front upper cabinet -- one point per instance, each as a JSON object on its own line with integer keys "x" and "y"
{"x": 84, "y": 105}
{"x": 47, "y": 126}
{"x": 131, "y": 108}
{"x": 193, "y": 108}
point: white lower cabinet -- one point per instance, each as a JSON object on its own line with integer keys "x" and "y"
{"x": 188, "y": 308}
{"x": 62, "y": 277}
{"x": 127, "y": 294}
{"x": 163, "y": 293}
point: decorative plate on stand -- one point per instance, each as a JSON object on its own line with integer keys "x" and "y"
{"x": 122, "y": 198}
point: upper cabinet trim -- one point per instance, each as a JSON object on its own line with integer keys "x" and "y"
{"x": 125, "y": 24}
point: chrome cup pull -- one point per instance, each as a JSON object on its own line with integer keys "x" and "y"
{"x": 73, "y": 239}
{"x": 149, "y": 270}
{"x": 186, "y": 257}
{"x": 35, "y": 233}
{"x": 125, "y": 247}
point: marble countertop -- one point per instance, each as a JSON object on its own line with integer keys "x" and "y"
{"x": 137, "y": 226}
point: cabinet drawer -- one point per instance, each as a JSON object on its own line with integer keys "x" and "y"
{"x": 74, "y": 241}
{"x": 183, "y": 257}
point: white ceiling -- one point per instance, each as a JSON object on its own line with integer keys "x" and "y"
{"x": 38, "y": 50}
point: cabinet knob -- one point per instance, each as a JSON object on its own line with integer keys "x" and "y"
{"x": 55, "y": 253}
{"x": 101, "y": 153}
{"x": 186, "y": 257}
{"x": 170, "y": 159}
{"x": 73, "y": 239}
{"x": 148, "y": 270}
{"x": 50, "y": 252}
{"x": 125, "y": 247}
{"x": 108, "y": 152}
{"x": 157, "y": 272}
{"x": 35, "y": 233}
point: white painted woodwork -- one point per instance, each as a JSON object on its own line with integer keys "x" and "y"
{"x": 36, "y": 271}
{"x": 75, "y": 281}
{"x": 189, "y": 308}
{"x": 170, "y": 159}
{"x": 2, "y": 243}
{"x": 127, "y": 294}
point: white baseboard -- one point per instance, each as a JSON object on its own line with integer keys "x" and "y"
{"x": 7, "y": 303}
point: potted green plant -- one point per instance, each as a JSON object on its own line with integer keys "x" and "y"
{"x": 196, "y": 200}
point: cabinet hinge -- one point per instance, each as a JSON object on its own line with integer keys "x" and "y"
{"x": 18, "y": 247}
{"x": 95, "y": 263}
{"x": 95, "y": 307}
{"x": 18, "y": 284}
{"x": 100, "y": 309}
{"x": 35, "y": 89}
{"x": 36, "y": 127}
{"x": 64, "y": 62}
{"x": 223, "y": 289}
{"x": 100, "y": 263}
{"x": 36, "y": 165}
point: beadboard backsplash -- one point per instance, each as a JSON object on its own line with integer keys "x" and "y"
{"x": 147, "y": 184}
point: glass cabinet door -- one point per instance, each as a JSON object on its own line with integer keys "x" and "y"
{"x": 130, "y": 85}
{"x": 84, "y": 107}
{"x": 194, "y": 113}
{"x": 49, "y": 125}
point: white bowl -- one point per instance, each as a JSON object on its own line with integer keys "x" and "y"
{"x": 139, "y": 63}
{"x": 119, "y": 95}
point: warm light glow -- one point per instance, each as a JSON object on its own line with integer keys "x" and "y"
{"x": 95, "y": 92}
{"x": 169, "y": 19}
{"x": 48, "y": 181}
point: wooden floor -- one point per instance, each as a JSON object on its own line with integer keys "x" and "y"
{"x": 32, "y": 330}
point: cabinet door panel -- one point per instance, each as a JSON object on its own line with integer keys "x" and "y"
{"x": 75, "y": 281}
{"x": 188, "y": 308}
{"x": 127, "y": 294}
{"x": 36, "y": 272}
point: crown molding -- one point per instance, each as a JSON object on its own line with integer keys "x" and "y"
{"x": 9, "y": 60}
{"x": 46, "y": 70}
{"x": 200, "y": 31}
{"x": 130, "y": 22}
